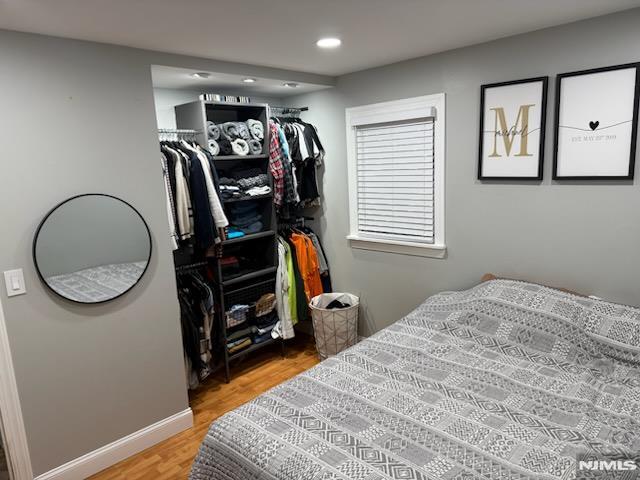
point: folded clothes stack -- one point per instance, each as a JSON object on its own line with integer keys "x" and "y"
{"x": 236, "y": 315}
{"x": 245, "y": 217}
{"x": 230, "y": 265}
{"x": 252, "y": 186}
{"x": 266, "y": 316}
{"x": 236, "y": 138}
{"x": 258, "y": 329}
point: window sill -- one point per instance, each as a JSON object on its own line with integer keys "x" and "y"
{"x": 393, "y": 246}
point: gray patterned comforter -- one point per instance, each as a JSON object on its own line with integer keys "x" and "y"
{"x": 508, "y": 380}
{"x": 97, "y": 284}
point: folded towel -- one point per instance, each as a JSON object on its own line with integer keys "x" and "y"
{"x": 213, "y": 130}
{"x": 225, "y": 146}
{"x": 240, "y": 147}
{"x": 255, "y": 147}
{"x": 243, "y": 131}
{"x": 230, "y": 130}
{"x": 256, "y": 128}
{"x": 214, "y": 148}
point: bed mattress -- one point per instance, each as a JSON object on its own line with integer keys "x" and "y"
{"x": 507, "y": 380}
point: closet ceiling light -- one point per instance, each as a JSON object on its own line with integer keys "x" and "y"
{"x": 291, "y": 84}
{"x": 200, "y": 75}
{"x": 330, "y": 42}
{"x": 249, "y": 80}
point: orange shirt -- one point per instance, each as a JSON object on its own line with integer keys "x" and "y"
{"x": 307, "y": 264}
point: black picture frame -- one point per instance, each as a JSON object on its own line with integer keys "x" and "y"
{"x": 634, "y": 127}
{"x": 543, "y": 120}
{"x": 44, "y": 220}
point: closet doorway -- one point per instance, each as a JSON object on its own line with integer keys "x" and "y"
{"x": 15, "y": 461}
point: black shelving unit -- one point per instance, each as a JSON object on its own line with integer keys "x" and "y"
{"x": 260, "y": 249}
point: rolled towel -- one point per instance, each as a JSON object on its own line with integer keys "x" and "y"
{"x": 214, "y": 148}
{"x": 255, "y": 147}
{"x": 213, "y": 130}
{"x": 230, "y": 130}
{"x": 225, "y": 147}
{"x": 243, "y": 131}
{"x": 256, "y": 128}
{"x": 240, "y": 147}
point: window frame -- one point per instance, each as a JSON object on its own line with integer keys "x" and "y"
{"x": 415, "y": 108}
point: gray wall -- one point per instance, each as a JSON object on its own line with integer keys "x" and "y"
{"x": 90, "y": 231}
{"x": 583, "y": 236}
{"x": 79, "y": 117}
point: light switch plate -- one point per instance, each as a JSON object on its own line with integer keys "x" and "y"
{"x": 14, "y": 281}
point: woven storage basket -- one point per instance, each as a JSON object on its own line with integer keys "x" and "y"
{"x": 335, "y": 329}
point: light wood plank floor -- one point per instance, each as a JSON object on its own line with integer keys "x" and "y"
{"x": 172, "y": 458}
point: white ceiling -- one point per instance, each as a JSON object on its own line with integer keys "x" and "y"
{"x": 181, "y": 79}
{"x": 282, "y": 33}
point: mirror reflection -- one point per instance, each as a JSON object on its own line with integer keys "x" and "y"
{"x": 92, "y": 248}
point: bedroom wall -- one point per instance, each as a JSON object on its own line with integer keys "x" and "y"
{"x": 81, "y": 119}
{"x": 580, "y": 235}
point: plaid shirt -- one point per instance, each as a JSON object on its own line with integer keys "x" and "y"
{"x": 275, "y": 164}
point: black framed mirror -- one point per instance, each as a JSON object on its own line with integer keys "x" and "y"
{"x": 92, "y": 248}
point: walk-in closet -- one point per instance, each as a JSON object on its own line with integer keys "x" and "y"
{"x": 241, "y": 181}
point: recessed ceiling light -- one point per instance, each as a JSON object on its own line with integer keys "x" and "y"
{"x": 200, "y": 75}
{"x": 249, "y": 80}
{"x": 329, "y": 42}
{"x": 291, "y": 84}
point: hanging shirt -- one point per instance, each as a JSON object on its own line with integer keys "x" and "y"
{"x": 173, "y": 235}
{"x": 184, "y": 212}
{"x": 215, "y": 205}
{"x": 307, "y": 264}
{"x": 284, "y": 326}
{"x": 275, "y": 164}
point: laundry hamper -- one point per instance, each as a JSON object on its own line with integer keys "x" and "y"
{"x": 335, "y": 329}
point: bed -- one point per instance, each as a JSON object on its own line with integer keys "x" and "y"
{"x": 507, "y": 380}
{"x": 97, "y": 284}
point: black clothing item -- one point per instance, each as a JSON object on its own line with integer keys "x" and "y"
{"x": 307, "y": 184}
{"x": 190, "y": 323}
{"x": 171, "y": 167}
{"x": 204, "y": 227}
{"x": 301, "y": 296}
{"x": 337, "y": 304}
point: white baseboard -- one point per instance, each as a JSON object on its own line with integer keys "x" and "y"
{"x": 110, "y": 454}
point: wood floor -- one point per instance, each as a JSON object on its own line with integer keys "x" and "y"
{"x": 172, "y": 458}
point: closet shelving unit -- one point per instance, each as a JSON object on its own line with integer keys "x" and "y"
{"x": 261, "y": 247}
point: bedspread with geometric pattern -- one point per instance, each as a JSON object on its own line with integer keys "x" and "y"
{"x": 507, "y": 380}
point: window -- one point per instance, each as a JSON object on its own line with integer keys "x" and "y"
{"x": 396, "y": 176}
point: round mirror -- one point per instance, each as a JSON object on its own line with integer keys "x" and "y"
{"x": 92, "y": 248}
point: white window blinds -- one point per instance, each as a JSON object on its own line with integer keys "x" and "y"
{"x": 395, "y": 180}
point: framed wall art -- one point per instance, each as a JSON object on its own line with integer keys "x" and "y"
{"x": 596, "y": 124}
{"x": 512, "y": 124}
